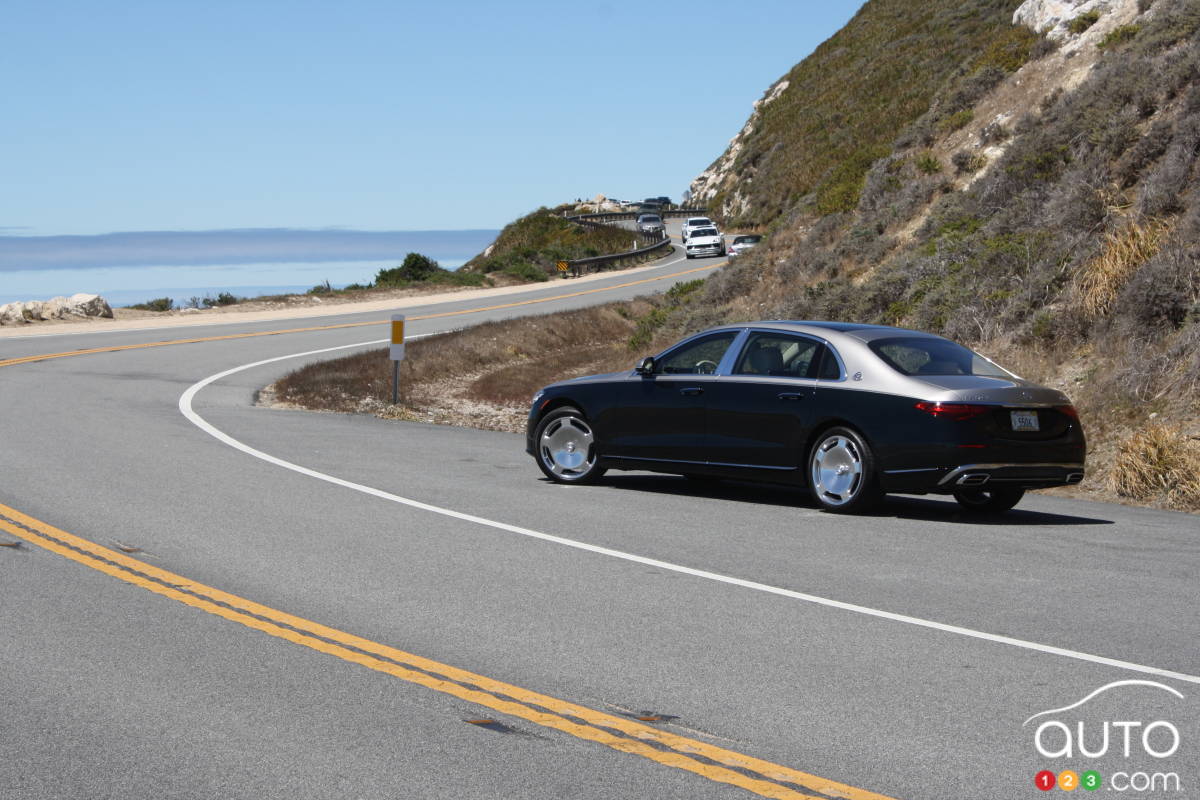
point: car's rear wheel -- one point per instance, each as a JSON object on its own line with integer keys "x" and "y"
{"x": 566, "y": 447}
{"x": 841, "y": 472}
{"x": 988, "y": 501}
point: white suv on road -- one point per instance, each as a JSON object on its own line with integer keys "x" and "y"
{"x": 694, "y": 223}
{"x": 705, "y": 242}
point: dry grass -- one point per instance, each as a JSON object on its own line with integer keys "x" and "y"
{"x": 1159, "y": 463}
{"x": 482, "y": 376}
{"x": 1101, "y": 279}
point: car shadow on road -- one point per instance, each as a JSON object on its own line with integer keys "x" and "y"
{"x": 924, "y": 508}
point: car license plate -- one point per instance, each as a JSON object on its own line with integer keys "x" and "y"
{"x": 1025, "y": 421}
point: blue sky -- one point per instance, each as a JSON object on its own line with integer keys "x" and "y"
{"x": 147, "y": 116}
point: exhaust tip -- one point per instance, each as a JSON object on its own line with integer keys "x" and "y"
{"x": 1074, "y": 477}
{"x": 973, "y": 479}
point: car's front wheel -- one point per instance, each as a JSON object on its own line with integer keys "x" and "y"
{"x": 566, "y": 447}
{"x": 988, "y": 501}
{"x": 841, "y": 472}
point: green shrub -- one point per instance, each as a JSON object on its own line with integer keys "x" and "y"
{"x": 957, "y": 120}
{"x": 1084, "y": 21}
{"x": 416, "y": 267}
{"x": 227, "y": 299}
{"x": 966, "y": 163}
{"x": 527, "y": 271}
{"x": 157, "y": 304}
{"x": 1119, "y": 36}
{"x": 928, "y": 163}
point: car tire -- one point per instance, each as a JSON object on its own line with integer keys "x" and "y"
{"x": 988, "y": 501}
{"x": 565, "y": 447}
{"x": 841, "y": 472}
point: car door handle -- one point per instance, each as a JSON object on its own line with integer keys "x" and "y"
{"x": 791, "y": 396}
{"x": 691, "y": 391}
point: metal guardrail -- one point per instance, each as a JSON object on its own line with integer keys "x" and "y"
{"x": 617, "y": 216}
{"x": 580, "y": 266}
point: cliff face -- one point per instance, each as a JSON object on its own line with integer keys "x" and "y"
{"x": 1037, "y": 199}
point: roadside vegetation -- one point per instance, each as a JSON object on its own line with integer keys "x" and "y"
{"x": 485, "y": 375}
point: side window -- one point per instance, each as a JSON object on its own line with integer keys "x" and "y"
{"x": 779, "y": 354}
{"x": 699, "y": 357}
{"x": 829, "y": 369}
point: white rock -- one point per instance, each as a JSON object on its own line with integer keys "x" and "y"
{"x": 55, "y": 308}
{"x": 1052, "y": 16}
{"x": 90, "y": 305}
{"x": 77, "y": 305}
{"x": 10, "y": 314}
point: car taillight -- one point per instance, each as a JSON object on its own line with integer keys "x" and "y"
{"x": 1069, "y": 411}
{"x": 955, "y": 411}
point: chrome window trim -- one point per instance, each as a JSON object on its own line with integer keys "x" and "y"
{"x": 722, "y": 367}
{"x": 798, "y": 335}
{"x": 698, "y": 463}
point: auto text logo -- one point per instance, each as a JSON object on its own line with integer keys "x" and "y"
{"x": 1092, "y": 748}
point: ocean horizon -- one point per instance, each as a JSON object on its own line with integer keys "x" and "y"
{"x": 130, "y": 268}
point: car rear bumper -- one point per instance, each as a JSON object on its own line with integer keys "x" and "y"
{"x": 974, "y": 476}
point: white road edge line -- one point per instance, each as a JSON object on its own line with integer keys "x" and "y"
{"x": 185, "y": 407}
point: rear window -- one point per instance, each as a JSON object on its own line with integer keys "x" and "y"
{"x": 747, "y": 240}
{"x": 920, "y": 356}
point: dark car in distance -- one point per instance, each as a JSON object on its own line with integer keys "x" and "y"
{"x": 850, "y": 411}
{"x": 650, "y": 224}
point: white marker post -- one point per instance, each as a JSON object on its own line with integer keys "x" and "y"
{"x": 397, "y": 354}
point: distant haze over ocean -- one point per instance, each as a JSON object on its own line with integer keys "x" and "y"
{"x": 136, "y": 266}
{"x": 250, "y": 245}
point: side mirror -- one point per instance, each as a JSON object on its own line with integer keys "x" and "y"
{"x": 646, "y": 367}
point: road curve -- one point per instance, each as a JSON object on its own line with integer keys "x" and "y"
{"x": 204, "y": 602}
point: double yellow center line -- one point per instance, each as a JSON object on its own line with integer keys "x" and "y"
{"x": 761, "y": 777}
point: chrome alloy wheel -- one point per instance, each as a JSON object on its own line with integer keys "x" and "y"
{"x": 837, "y": 470}
{"x": 565, "y": 447}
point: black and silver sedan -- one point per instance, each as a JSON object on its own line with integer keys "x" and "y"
{"x": 850, "y": 411}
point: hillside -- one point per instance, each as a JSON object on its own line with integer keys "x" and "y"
{"x": 817, "y": 129}
{"x": 529, "y": 247}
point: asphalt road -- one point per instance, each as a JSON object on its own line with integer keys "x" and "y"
{"x": 896, "y": 654}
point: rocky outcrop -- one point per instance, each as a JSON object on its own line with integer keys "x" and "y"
{"x": 722, "y": 171}
{"x": 1052, "y": 17}
{"x": 77, "y": 305}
